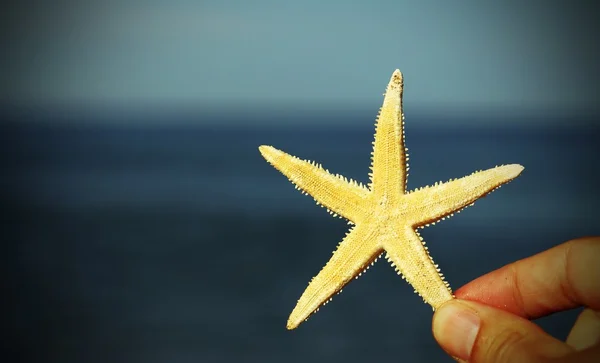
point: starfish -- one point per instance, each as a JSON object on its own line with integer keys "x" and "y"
{"x": 384, "y": 215}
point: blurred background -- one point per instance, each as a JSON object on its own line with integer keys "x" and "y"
{"x": 142, "y": 225}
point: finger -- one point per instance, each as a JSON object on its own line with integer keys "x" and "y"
{"x": 586, "y": 331}
{"x": 480, "y": 334}
{"x": 560, "y": 278}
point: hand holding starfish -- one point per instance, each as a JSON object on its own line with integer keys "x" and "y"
{"x": 493, "y": 325}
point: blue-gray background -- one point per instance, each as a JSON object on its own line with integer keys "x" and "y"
{"x": 142, "y": 225}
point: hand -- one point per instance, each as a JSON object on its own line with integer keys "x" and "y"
{"x": 488, "y": 322}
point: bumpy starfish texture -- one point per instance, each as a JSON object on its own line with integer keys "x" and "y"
{"x": 384, "y": 215}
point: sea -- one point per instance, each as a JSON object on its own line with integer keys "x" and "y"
{"x": 176, "y": 242}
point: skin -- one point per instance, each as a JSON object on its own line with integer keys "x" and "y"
{"x": 503, "y": 301}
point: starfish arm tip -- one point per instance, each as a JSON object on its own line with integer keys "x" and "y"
{"x": 264, "y": 148}
{"x": 513, "y": 170}
{"x": 291, "y": 325}
{"x": 269, "y": 152}
{"x": 396, "y": 79}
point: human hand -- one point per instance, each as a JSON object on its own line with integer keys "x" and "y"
{"x": 488, "y": 322}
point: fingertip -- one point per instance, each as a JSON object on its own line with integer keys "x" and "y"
{"x": 586, "y": 330}
{"x": 455, "y": 327}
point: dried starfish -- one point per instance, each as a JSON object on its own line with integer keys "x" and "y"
{"x": 385, "y": 216}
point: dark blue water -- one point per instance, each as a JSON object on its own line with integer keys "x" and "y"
{"x": 181, "y": 244}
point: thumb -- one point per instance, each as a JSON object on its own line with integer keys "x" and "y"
{"x": 480, "y": 334}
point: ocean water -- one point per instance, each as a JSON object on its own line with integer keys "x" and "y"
{"x": 181, "y": 244}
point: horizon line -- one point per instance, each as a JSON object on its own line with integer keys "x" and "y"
{"x": 272, "y": 115}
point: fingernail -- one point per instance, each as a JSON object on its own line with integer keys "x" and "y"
{"x": 455, "y": 327}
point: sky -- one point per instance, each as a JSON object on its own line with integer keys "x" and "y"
{"x": 538, "y": 56}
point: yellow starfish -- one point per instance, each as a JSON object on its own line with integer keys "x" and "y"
{"x": 384, "y": 214}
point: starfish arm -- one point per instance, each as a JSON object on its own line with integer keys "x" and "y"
{"x": 388, "y": 166}
{"x": 338, "y": 194}
{"x": 407, "y": 253}
{"x": 434, "y": 203}
{"x": 355, "y": 254}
